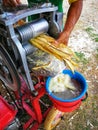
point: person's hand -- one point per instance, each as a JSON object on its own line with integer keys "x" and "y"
{"x": 11, "y": 3}
{"x": 63, "y": 38}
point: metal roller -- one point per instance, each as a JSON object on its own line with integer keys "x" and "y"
{"x": 32, "y": 29}
{"x": 29, "y": 48}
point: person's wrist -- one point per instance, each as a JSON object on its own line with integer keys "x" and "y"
{"x": 66, "y": 33}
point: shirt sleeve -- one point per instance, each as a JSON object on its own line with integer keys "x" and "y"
{"x": 71, "y": 1}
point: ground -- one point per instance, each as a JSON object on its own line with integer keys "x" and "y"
{"x": 84, "y": 41}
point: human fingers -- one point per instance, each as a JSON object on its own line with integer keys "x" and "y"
{"x": 11, "y": 3}
{"x": 63, "y": 38}
{"x": 18, "y": 1}
{"x": 63, "y": 41}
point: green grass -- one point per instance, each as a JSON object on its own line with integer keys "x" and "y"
{"x": 97, "y": 53}
{"x": 92, "y": 34}
{"x": 82, "y": 58}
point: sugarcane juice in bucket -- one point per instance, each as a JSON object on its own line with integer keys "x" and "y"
{"x": 64, "y": 87}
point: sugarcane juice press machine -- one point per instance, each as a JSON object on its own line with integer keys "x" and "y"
{"x": 25, "y": 96}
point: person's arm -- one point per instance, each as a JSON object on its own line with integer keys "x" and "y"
{"x": 72, "y": 17}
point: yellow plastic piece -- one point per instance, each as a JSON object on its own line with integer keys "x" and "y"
{"x": 53, "y": 118}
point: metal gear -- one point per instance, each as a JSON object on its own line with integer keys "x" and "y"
{"x": 8, "y": 73}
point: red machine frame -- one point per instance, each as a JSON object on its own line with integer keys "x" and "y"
{"x": 34, "y": 111}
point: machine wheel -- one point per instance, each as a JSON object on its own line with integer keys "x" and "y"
{"x": 8, "y": 72}
{"x": 53, "y": 118}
